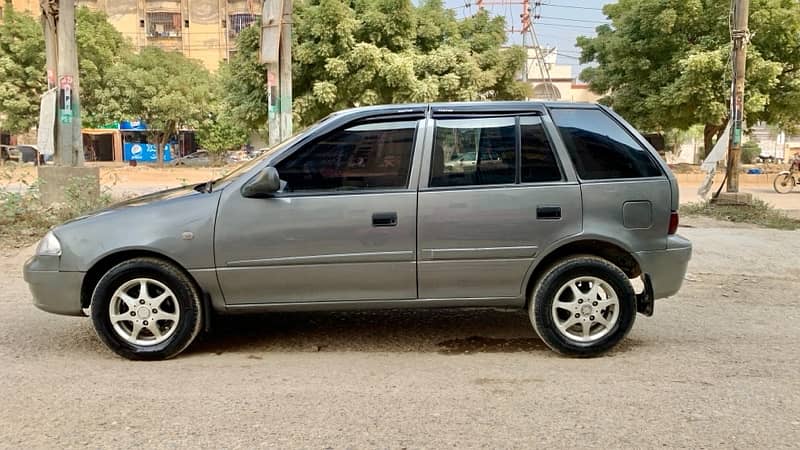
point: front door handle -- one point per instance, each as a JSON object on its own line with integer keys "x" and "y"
{"x": 384, "y": 219}
{"x": 548, "y": 212}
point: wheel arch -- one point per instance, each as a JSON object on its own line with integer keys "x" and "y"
{"x": 104, "y": 264}
{"x": 594, "y": 246}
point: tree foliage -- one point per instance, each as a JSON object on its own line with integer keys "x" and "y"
{"x": 165, "y": 89}
{"x": 666, "y": 63}
{"x": 22, "y": 76}
{"x": 369, "y": 52}
{"x": 100, "y": 48}
{"x": 221, "y": 132}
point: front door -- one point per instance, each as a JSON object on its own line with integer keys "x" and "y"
{"x": 342, "y": 229}
{"x": 481, "y": 224}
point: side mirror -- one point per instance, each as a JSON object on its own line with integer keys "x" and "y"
{"x": 266, "y": 183}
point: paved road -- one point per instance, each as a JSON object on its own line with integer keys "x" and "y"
{"x": 717, "y": 366}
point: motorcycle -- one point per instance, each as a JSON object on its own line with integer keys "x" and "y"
{"x": 786, "y": 181}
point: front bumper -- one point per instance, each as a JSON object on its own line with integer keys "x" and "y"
{"x": 667, "y": 268}
{"x": 53, "y": 291}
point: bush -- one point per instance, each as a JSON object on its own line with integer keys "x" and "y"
{"x": 24, "y": 218}
{"x": 750, "y": 151}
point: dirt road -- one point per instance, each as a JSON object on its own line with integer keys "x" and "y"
{"x": 718, "y": 365}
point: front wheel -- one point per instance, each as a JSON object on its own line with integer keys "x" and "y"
{"x": 784, "y": 183}
{"x": 583, "y": 306}
{"x": 146, "y": 309}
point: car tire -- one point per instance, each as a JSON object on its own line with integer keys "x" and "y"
{"x": 582, "y": 292}
{"x": 146, "y": 309}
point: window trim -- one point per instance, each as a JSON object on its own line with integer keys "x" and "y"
{"x": 354, "y": 123}
{"x": 518, "y": 153}
{"x": 644, "y": 149}
{"x": 553, "y": 149}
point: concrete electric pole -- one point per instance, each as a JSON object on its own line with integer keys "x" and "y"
{"x": 740, "y": 35}
{"x": 58, "y": 24}
{"x": 276, "y": 53}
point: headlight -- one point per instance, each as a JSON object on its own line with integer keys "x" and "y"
{"x": 49, "y": 245}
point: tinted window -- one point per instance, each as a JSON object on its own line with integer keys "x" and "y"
{"x": 538, "y": 160}
{"x": 369, "y": 156}
{"x": 474, "y": 152}
{"x": 600, "y": 148}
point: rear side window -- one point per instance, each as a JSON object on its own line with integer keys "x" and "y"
{"x": 600, "y": 148}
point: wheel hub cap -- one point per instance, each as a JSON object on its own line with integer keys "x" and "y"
{"x": 144, "y": 312}
{"x": 585, "y": 309}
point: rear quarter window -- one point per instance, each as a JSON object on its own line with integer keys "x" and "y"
{"x": 600, "y": 148}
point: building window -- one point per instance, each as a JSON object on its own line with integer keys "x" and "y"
{"x": 239, "y": 22}
{"x": 163, "y": 25}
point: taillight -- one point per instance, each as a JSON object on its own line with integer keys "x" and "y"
{"x": 673, "y": 223}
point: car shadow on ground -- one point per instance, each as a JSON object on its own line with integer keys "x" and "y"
{"x": 444, "y": 331}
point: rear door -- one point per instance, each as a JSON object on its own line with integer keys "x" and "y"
{"x": 480, "y": 226}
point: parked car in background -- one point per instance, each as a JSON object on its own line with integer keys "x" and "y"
{"x": 363, "y": 211}
{"x": 198, "y": 158}
{"x": 22, "y": 153}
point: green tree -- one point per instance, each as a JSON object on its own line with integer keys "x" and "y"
{"x": 221, "y": 133}
{"x": 665, "y": 63}
{"x": 164, "y": 89}
{"x": 22, "y": 76}
{"x": 100, "y": 48}
{"x": 378, "y": 51}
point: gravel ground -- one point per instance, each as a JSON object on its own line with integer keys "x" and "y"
{"x": 717, "y": 366}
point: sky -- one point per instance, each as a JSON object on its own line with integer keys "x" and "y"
{"x": 560, "y": 23}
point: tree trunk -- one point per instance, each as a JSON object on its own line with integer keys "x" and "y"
{"x": 162, "y": 143}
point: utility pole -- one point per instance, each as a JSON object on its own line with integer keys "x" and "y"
{"x": 58, "y": 24}
{"x": 276, "y": 53}
{"x": 740, "y": 35}
{"x": 61, "y": 51}
{"x": 285, "y": 63}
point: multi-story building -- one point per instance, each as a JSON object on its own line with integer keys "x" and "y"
{"x": 202, "y": 29}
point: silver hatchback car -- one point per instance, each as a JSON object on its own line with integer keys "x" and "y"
{"x": 564, "y": 207}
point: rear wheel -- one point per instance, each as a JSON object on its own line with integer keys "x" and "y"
{"x": 146, "y": 309}
{"x": 583, "y": 306}
{"x": 784, "y": 183}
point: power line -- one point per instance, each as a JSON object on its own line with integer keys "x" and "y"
{"x": 572, "y": 20}
{"x": 567, "y": 6}
{"x": 562, "y": 25}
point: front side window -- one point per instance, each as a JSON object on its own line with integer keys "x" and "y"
{"x": 474, "y": 152}
{"x": 361, "y": 157}
{"x": 600, "y": 148}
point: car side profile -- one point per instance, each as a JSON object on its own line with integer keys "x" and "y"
{"x": 565, "y": 209}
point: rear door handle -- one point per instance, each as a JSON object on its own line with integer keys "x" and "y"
{"x": 384, "y": 219}
{"x": 548, "y": 212}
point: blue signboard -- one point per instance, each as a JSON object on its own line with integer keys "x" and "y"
{"x": 132, "y": 151}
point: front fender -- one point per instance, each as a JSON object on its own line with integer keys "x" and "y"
{"x": 784, "y": 172}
